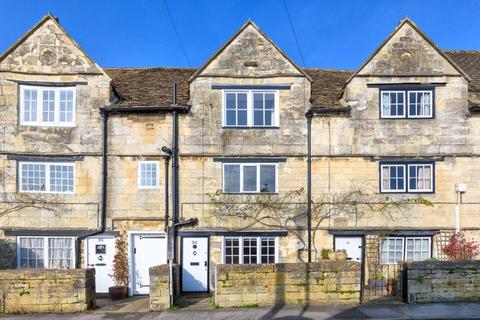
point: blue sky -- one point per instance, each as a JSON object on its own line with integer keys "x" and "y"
{"x": 332, "y": 34}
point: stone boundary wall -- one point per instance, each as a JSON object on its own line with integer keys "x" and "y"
{"x": 159, "y": 286}
{"x": 442, "y": 281}
{"x": 319, "y": 283}
{"x": 47, "y": 290}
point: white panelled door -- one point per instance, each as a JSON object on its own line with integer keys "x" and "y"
{"x": 353, "y": 245}
{"x": 100, "y": 251}
{"x": 195, "y": 264}
{"x": 148, "y": 250}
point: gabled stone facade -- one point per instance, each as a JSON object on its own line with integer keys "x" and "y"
{"x": 349, "y": 140}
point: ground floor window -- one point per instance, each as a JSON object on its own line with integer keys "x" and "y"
{"x": 45, "y": 252}
{"x": 249, "y": 250}
{"x": 396, "y": 249}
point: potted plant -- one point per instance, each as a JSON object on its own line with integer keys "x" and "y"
{"x": 120, "y": 269}
{"x": 377, "y": 282}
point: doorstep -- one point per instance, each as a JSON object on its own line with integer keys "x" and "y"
{"x": 135, "y": 304}
{"x": 195, "y": 301}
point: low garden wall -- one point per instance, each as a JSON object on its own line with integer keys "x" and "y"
{"x": 320, "y": 283}
{"x": 159, "y": 286}
{"x": 47, "y": 290}
{"x": 442, "y": 281}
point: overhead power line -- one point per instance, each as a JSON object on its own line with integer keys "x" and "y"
{"x": 177, "y": 34}
{"x": 294, "y": 33}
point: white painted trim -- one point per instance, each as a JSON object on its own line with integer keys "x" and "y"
{"x": 39, "y": 106}
{"x": 47, "y": 176}
{"x": 251, "y": 164}
{"x": 259, "y": 248}
{"x": 405, "y": 178}
{"x": 431, "y": 176}
{"x": 418, "y": 238}
{"x": 139, "y": 174}
{"x": 384, "y": 116}
{"x": 85, "y": 247}
{"x": 392, "y": 238}
{"x": 431, "y": 104}
{"x": 45, "y": 249}
{"x": 249, "y": 93}
{"x": 130, "y": 235}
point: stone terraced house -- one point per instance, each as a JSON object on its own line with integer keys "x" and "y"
{"x": 82, "y": 160}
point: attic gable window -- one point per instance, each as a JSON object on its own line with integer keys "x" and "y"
{"x": 47, "y": 106}
{"x": 250, "y": 108}
{"x": 406, "y": 103}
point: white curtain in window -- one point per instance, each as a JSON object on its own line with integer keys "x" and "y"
{"x": 60, "y": 253}
{"x": 386, "y": 103}
{"x": 424, "y": 176}
{"x": 425, "y": 103}
{"x": 31, "y": 253}
{"x": 386, "y": 178}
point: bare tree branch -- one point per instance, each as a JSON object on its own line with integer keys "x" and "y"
{"x": 288, "y": 211}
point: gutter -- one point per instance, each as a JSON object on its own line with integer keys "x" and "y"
{"x": 166, "y": 108}
{"x": 321, "y": 110}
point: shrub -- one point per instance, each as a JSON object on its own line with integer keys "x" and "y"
{"x": 458, "y": 248}
{"x": 120, "y": 261}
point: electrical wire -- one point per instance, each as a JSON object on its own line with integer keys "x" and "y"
{"x": 177, "y": 34}
{"x": 294, "y": 33}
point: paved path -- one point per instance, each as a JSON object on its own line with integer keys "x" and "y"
{"x": 389, "y": 312}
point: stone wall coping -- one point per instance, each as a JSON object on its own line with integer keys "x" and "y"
{"x": 46, "y": 273}
{"x": 286, "y": 267}
{"x": 442, "y": 265}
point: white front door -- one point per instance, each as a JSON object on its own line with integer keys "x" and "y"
{"x": 100, "y": 251}
{"x": 148, "y": 250}
{"x": 353, "y": 245}
{"x": 195, "y": 264}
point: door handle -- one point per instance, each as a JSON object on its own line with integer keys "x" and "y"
{"x": 205, "y": 263}
{"x": 100, "y": 264}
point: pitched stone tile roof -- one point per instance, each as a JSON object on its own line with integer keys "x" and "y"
{"x": 144, "y": 87}
{"x": 469, "y": 61}
{"x": 150, "y": 87}
{"x": 327, "y": 86}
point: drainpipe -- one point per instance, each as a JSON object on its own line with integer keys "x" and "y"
{"x": 309, "y": 117}
{"x": 103, "y": 214}
{"x": 166, "y": 158}
{"x": 459, "y": 188}
{"x": 175, "y": 173}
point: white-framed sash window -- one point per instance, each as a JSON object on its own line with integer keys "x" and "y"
{"x": 407, "y": 177}
{"x": 47, "y": 106}
{"x": 396, "y": 249}
{"x": 250, "y": 250}
{"x": 46, "y": 177}
{"x": 420, "y": 104}
{"x": 250, "y": 108}
{"x": 393, "y": 104}
{"x": 148, "y": 175}
{"x": 45, "y": 252}
{"x": 406, "y": 103}
{"x": 250, "y": 177}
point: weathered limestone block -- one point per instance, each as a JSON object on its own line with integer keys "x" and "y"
{"x": 443, "y": 281}
{"x": 160, "y": 286}
{"x": 47, "y": 290}
{"x": 288, "y": 283}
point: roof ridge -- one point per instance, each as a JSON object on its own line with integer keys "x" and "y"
{"x": 328, "y": 69}
{"x": 148, "y": 68}
{"x": 462, "y": 50}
